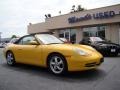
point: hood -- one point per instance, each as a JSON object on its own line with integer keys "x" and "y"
{"x": 106, "y": 43}
{"x": 72, "y": 46}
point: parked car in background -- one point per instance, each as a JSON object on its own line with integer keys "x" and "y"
{"x": 48, "y": 51}
{"x": 2, "y": 45}
{"x": 103, "y": 46}
{"x": 12, "y": 41}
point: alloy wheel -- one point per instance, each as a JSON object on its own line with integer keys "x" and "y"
{"x": 57, "y": 64}
{"x": 10, "y": 58}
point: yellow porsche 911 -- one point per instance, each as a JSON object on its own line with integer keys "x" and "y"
{"x": 48, "y": 51}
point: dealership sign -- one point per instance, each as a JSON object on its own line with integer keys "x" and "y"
{"x": 99, "y": 15}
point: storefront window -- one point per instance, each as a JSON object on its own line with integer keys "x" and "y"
{"x": 73, "y": 35}
{"x": 69, "y": 34}
{"x": 98, "y": 31}
{"x": 61, "y": 33}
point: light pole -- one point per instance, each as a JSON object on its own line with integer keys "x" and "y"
{"x": 0, "y": 36}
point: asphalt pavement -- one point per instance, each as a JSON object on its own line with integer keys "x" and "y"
{"x": 26, "y": 77}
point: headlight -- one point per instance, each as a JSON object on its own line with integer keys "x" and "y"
{"x": 80, "y": 52}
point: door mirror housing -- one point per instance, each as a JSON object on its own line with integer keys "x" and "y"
{"x": 33, "y": 43}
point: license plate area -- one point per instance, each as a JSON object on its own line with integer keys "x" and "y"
{"x": 113, "y": 50}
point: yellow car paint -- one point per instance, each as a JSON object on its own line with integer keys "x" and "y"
{"x": 37, "y": 55}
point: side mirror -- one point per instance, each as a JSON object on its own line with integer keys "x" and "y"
{"x": 33, "y": 43}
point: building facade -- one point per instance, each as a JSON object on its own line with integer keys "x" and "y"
{"x": 103, "y": 22}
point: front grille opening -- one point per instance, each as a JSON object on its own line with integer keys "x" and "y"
{"x": 90, "y": 64}
{"x": 101, "y": 60}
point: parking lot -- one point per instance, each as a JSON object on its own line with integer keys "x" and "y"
{"x": 25, "y": 77}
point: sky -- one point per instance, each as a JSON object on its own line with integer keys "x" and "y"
{"x": 15, "y": 15}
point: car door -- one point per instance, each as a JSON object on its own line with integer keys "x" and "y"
{"x": 26, "y": 53}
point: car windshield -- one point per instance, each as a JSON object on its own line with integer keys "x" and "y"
{"x": 48, "y": 39}
{"x": 96, "y": 39}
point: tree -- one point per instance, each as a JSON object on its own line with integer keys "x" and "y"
{"x": 14, "y": 36}
{"x": 73, "y": 9}
{"x": 79, "y": 8}
{"x": 47, "y": 15}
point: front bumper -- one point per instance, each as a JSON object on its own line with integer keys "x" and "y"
{"x": 93, "y": 64}
{"x": 108, "y": 51}
{"x": 86, "y": 63}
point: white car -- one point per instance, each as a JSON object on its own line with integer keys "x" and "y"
{"x": 2, "y": 45}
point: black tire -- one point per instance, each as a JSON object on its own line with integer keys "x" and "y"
{"x": 10, "y": 58}
{"x": 57, "y": 64}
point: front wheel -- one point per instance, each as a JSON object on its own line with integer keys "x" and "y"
{"x": 10, "y": 58}
{"x": 57, "y": 64}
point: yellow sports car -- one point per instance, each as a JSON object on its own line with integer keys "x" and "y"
{"x": 48, "y": 51}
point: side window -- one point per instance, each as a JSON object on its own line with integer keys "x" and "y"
{"x": 26, "y": 40}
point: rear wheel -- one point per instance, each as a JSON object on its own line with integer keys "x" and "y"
{"x": 57, "y": 64}
{"x": 10, "y": 58}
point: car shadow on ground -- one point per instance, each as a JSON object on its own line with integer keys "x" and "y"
{"x": 69, "y": 77}
{"x": 112, "y": 56}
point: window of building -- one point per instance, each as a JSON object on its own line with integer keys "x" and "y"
{"x": 69, "y": 34}
{"x": 98, "y": 31}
